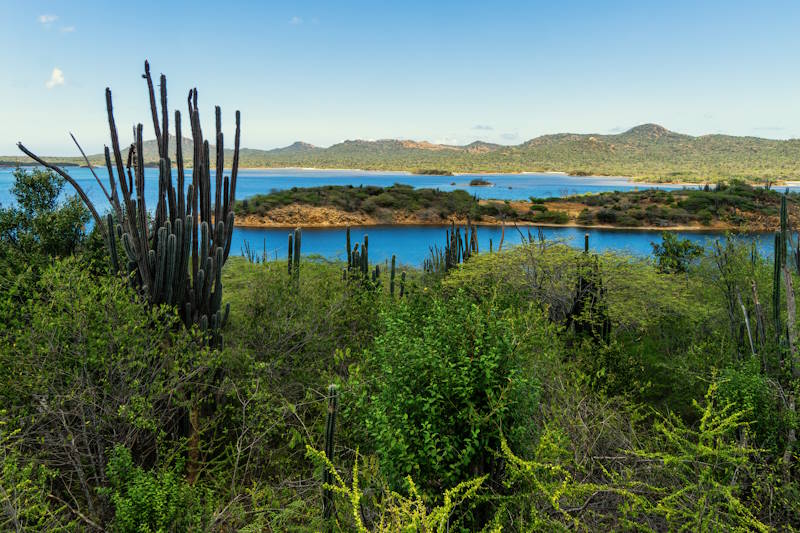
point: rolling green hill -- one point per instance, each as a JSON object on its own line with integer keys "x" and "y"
{"x": 648, "y": 152}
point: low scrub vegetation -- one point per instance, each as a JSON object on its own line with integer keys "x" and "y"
{"x": 733, "y": 204}
{"x": 428, "y": 203}
{"x": 541, "y": 388}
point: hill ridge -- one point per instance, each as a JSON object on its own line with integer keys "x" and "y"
{"x": 647, "y": 151}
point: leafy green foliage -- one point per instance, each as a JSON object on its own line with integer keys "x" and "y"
{"x": 38, "y": 224}
{"x": 469, "y": 404}
{"x": 146, "y": 501}
{"x": 673, "y": 255}
{"x": 91, "y": 368}
{"x": 700, "y": 492}
{"x": 747, "y": 389}
{"x": 25, "y": 501}
{"x": 450, "y": 376}
{"x": 398, "y": 512}
{"x": 34, "y": 230}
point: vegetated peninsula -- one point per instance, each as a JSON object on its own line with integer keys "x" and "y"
{"x": 648, "y": 152}
{"x": 726, "y": 206}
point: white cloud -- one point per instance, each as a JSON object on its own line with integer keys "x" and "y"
{"x": 68, "y": 29}
{"x": 47, "y": 19}
{"x": 483, "y": 127}
{"x": 56, "y": 78}
{"x": 295, "y": 20}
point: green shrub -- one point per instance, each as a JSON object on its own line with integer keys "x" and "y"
{"x": 606, "y": 216}
{"x": 451, "y": 377}
{"x": 148, "y": 501}
{"x": 552, "y": 217}
{"x": 674, "y": 255}
{"x": 746, "y": 388}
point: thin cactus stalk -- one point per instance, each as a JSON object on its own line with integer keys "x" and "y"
{"x": 586, "y": 243}
{"x": 184, "y": 229}
{"x": 296, "y": 269}
{"x": 365, "y": 256}
{"x": 289, "y": 261}
{"x": 784, "y": 229}
{"x": 330, "y": 434}
{"x": 349, "y": 257}
{"x": 776, "y": 287}
{"x": 402, "y": 283}
{"x": 391, "y": 275}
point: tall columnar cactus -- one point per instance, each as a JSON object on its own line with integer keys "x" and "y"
{"x": 296, "y": 267}
{"x": 586, "y": 242}
{"x": 289, "y": 261}
{"x": 391, "y": 275}
{"x": 175, "y": 253}
{"x": 365, "y": 256}
{"x": 348, "y": 247}
{"x": 330, "y": 433}
{"x": 776, "y": 286}
{"x": 402, "y": 283}
{"x": 784, "y": 229}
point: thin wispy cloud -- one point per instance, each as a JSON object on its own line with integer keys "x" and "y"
{"x": 68, "y": 29}
{"x": 509, "y": 136}
{"x": 295, "y": 21}
{"x": 47, "y": 20}
{"x": 482, "y": 127}
{"x": 56, "y": 78}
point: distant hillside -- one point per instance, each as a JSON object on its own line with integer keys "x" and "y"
{"x": 648, "y": 152}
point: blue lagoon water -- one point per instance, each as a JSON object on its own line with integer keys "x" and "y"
{"x": 410, "y": 243}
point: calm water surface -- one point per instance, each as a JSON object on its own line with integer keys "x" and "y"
{"x": 409, "y": 243}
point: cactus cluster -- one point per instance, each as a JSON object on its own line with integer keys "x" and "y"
{"x": 457, "y": 249}
{"x": 779, "y": 261}
{"x": 358, "y": 267}
{"x": 358, "y": 261}
{"x": 175, "y": 254}
{"x": 357, "y": 258}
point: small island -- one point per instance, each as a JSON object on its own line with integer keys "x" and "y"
{"x": 480, "y": 182}
{"x": 728, "y": 206}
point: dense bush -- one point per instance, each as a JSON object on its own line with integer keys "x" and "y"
{"x": 93, "y": 368}
{"x": 453, "y": 377}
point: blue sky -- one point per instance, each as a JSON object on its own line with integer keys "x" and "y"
{"x": 443, "y": 71}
